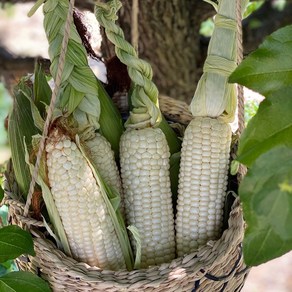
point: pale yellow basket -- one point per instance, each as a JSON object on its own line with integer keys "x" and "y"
{"x": 217, "y": 266}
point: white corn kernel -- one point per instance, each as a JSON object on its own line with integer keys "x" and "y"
{"x": 204, "y": 163}
{"x": 81, "y": 206}
{"x": 148, "y": 203}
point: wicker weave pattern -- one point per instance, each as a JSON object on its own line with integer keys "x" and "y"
{"x": 214, "y": 267}
{"x": 218, "y": 266}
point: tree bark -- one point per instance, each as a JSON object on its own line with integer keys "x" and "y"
{"x": 169, "y": 40}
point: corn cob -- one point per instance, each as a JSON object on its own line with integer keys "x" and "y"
{"x": 145, "y": 175}
{"x": 206, "y": 145}
{"x": 202, "y": 182}
{"x": 103, "y": 158}
{"x": 144, "y": 152}
{"x": 86, "y": 220}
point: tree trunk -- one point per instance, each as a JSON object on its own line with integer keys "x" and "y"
{"x": 169, "y": 40}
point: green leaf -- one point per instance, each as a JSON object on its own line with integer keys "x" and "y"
{"x": 36, "y": 115}
{"x": 21, "y": 124}
{"x": 61, "y": 11}
{"x": 174, "y": 172}
{"x": 111, "y": 124}
{"x": 271, "y": 126}
{"x": 80, "y": 77}
{"x": 23, "y": 282}
{"x": 174, "y": 143}
{"x": 14, "y": 242}
{"x": 88, "y": 104}
{"x": 41, "y": 89}
{"x": 55, "y": 48}
{"x": 269, "y": 68}
{"x": 266, "y": 196}
{"x": 7, "y": 267}
{"x": 38, "y": 120}
{"x": 252, "y": 7}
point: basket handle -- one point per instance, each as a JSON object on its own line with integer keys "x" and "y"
{"x": 240, "y": 94}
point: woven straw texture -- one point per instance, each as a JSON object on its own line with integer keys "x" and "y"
{"x": 218, "y": 266}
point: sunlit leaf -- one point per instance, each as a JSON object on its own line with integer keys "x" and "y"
{"x": 266, "y": 196}
{"x": 269, "y": 68}
{"x": 24, "y": 282}
{"x": 268, "y": 71}
{"x": 271, "y": 126}
{"x": 14, "y": 242}
{"x": 252, "y": 7}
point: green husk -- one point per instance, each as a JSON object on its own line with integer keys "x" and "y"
{"x": 35, "y": 8}
{"x": 111, "y": 128}
{"x": 41, "y": 90}
{"x": 137, "y": 238}
{"x": 21, "y": 124}
{"x": 82, "y": 94}
{"x": 174, "y": 143}
{"x": 174, "y": 162}
{"x": 143, "y": 94}
{"x": 112, "y": 199}
{"x": 214, "y": 96}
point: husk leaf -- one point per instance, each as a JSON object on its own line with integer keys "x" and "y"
{"x": 21, "y": 124}
{"x": 214, "y": 96}
{"x": 41, "y": 90}
{"x": 81, "y": 91}
{"x": 174, "y": 162}
{"x": 137, "y": 238}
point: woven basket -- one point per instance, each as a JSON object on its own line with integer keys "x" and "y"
{"x": 217, "y": 266}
